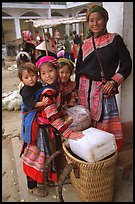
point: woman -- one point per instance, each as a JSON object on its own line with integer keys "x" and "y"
{"x": 29, "y": 45}
{"x": 97, "y": 87}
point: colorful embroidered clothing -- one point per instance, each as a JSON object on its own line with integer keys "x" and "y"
{"x": 51, "y": 128}
{"x": 112, "y": 53}
{"x": 68, "y": 92}
{"x": 52, "y": 111}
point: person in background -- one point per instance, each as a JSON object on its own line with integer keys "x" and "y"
{"x": 77, "y": 38}
{"x": 97, "y": 89}
{"x": 38, "y": 38}
{"x": 74, "y": 52}
{"x": 29, "y": 45}
{"x": 67, "y": 46}
{"x": 57, "y": 36}
{"x": 51, "y": 42}
{"x": 42, "y": 47}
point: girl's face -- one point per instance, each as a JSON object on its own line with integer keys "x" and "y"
{"x": 97, "y": 23}
{"x": 48, "y": 74}
{"x": 64, "y": 73}
{"x": 29, "y": 78}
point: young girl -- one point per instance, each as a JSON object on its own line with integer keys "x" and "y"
{"x": 67, "y": 86}
{"x": 51, "y": 128}
{"x": 48, "y": 70}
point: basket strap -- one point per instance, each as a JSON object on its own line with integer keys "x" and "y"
{"x": 66, "y": 171}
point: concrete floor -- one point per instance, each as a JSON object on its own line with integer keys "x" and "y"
{"x": 123, "y": 189}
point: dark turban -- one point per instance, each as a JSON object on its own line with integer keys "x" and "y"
{"x": 96, "y": 8}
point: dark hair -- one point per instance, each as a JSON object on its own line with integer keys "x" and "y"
{"x": 29, "y": 66}
{"x": 74, "y": 32}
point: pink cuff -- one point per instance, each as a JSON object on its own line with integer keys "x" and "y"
{"x": 118, "y": 78}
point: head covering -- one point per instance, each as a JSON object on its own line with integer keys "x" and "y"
{"x": 42, "y": 46}
{"x": 68, "y": 61}
{"x": 96, "y": 8}
{"x": 22, "y": 54}
{"x": 46, "y": 59}
{"x": 27, "y": 35}
{"x": 61, "y": 53}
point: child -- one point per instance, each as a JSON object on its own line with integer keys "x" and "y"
{"x": 67, "y": 86}
{"x": 28, "y": 75}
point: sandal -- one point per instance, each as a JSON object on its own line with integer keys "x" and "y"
{"x": 38, "y": 192}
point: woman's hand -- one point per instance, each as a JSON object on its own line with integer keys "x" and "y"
{"x": 76, "y": 135}
{"x": 108, "y": 87}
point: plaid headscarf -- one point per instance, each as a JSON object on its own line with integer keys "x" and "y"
{"x": 96, "y": 8}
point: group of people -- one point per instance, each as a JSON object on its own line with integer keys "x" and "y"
{"x": 44, "y": 119}
{"x": 48, "y": 89}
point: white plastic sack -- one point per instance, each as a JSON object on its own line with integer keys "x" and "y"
{"x": 12, "y": 101}
{"x": 94, "y": 146}
{"x": 81, "y": 118}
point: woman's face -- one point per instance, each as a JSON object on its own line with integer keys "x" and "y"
{"x": 64, "y": 73}
{"x": 48, "y": 74}
{"x": 97, "y": 23}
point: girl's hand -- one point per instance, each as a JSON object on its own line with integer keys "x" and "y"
{"x": 76, "y": 135}
{"x": 45, "y": 100}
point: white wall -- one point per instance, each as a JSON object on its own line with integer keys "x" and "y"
{"x": 127, "y": 87}
{"x": 121, "y": 21}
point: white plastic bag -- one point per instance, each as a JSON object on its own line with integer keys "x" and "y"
{"x": 81, "y": 118}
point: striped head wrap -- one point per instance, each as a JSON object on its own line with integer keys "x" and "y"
{"x": 96, "y": 8}
{"x": 66, "y": 61}
{"x": 46, "y": 59}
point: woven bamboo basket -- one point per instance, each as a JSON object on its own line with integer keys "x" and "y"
{"x": 95, "y": 181}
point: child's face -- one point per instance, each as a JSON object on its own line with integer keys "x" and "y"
{"x": 29, "y": 78}
{"x": 64, "y": 73}
{"x": 48, "y": 74}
